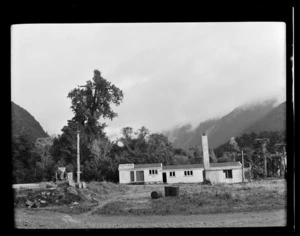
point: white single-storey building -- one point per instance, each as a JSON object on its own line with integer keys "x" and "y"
{"x": 228, "y": 172}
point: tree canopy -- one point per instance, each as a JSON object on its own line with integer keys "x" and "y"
{"x": 93, "y": 101}
{"x": 90, "y": 103}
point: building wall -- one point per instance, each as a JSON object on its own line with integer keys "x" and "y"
{"x": 181, "y": 178}
{"x": 124, "y": 175}
{"x": 152, "y": 177}
{"x": 214, "y": 175}
{"x": 218, "y": 176}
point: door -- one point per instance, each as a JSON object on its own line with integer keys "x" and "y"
{"x": 165, "y": 177}
{"x": 132, "y": 176}
{"x": 140, "y": 176}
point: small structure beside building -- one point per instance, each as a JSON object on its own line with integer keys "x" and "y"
{"x": 228, "y": 172}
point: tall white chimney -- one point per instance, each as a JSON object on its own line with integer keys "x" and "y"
{"x": 205, "y": 151}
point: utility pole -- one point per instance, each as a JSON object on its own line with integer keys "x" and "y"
{"x": 243, "y": 175}
{"x": 284, "y": 159}
{"x": 78, "y": 158}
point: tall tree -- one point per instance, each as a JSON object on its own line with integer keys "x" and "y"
{"x": 92, "y": 101}
{"x": 264, "y": 142}
{"x": 42, "y": 147}
{"x": 160, "y": 149}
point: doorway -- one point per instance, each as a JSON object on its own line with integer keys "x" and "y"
{"x": 140, "y": 176}
{"x": 164, "y": 177}
{"x": 132, "y": 176}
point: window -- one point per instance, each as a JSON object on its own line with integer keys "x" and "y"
{"x": 188, "y": 173}
{"x": 172, "y": 174}
{"x": 228, "y": 174}
{"x": 153, "y": 172}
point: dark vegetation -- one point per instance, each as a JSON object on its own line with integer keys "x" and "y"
{"x": 35, "y": 161}
{"x": 23, "y": 123}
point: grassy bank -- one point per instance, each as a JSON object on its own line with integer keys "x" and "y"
{"x": 201, "y": 199}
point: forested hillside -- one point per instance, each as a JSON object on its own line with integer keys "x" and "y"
{"x": 221, "y": 130}
{"x": 24, "y": 123}
{"x": 275, "y": 120}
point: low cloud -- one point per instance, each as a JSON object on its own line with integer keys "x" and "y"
{"x": 170, "y": 73}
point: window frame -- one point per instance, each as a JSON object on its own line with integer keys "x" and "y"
{"x": 228, "y": 174}
{"x": 153, "y": 172}
{"x": 188, "y": 173}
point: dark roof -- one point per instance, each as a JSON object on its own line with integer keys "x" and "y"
{"x": 236, "y": 164}
{"x": 194, "y": 166}
{"x": 147, "y": 165}
{"x": 183, "y": 166}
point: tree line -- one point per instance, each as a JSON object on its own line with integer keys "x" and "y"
{"x": 100, "y": 156}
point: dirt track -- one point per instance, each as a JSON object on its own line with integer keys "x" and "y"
{"x": 26, "y": 218}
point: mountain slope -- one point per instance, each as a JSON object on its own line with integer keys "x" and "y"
{"x": 24, "y": 123}
{"x": 238, "y": 120}
{"x": 221, "y": 130}
{"x": 275, "y": 120}
{"x": 207, "y": 127}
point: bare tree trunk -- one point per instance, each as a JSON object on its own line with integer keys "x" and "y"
{"x": 265, "y": 166}
{"x": 265, "y": 159}
{"x": 284, "y": 160}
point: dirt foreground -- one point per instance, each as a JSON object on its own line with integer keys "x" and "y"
{"x": 43, "y": 219}
{"x": 257, "y": 204}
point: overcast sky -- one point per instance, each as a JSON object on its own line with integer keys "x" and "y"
{"x": 170, "y": 73}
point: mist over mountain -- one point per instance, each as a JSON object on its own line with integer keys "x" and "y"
{"x": 245, "y": 118}
{"x": 275, "y": 120}
{"x": 24, "y": 123}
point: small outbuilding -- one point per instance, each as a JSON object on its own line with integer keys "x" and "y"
{"x": 228, "y": 172}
